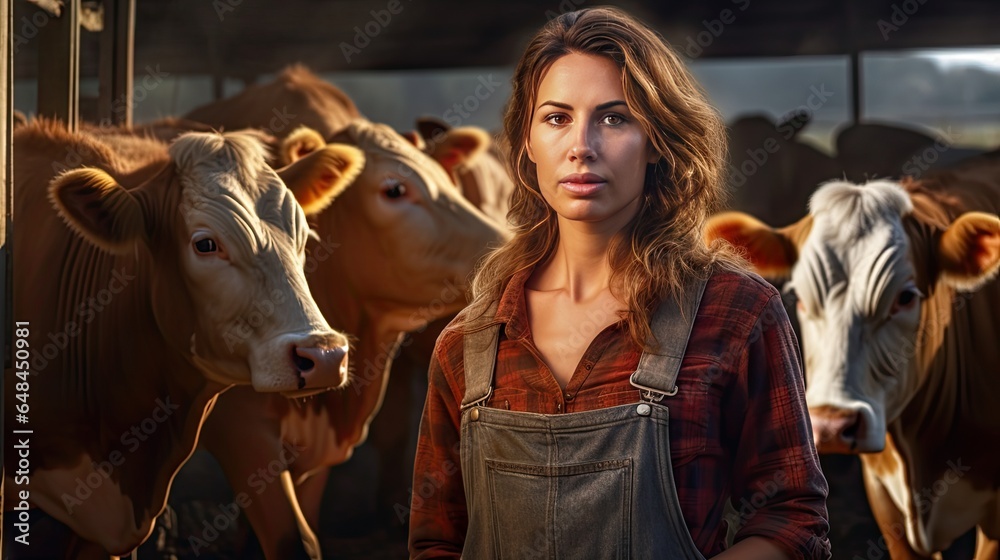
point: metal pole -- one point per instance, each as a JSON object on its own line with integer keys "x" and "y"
{"x": 59, "y": 66}
{"x": 117, "y": 63}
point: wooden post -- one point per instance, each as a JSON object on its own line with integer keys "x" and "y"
{"x": 59, "y": 66}
{"x": 114, "y": 105}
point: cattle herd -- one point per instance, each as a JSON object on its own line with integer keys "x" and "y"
{"x": 242, "y": 283}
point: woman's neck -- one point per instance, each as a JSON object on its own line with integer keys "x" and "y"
{"x": 579, "y": 266}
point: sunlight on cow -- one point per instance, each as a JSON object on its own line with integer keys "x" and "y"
{"x": 899, "y": 307}
{"x": 166, "y": 275}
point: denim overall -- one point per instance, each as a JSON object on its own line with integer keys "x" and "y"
{"x": 585, "y": 485}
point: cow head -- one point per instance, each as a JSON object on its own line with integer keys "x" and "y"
{"x": 225, "y": 240}
{"x": 861, "y": 283}
{"x": 413, "y": 237}
{"x": 451, "y": 147}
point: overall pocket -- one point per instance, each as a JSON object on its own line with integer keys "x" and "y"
{"x": 566, "y": 512}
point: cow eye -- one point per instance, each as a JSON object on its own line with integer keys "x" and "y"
{"x": 206, "y": 245}
{"x": 905, "y": 300}
{"x": 395, "y": 190}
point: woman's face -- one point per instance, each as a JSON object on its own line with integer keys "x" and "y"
{"x": 588, "y": 148}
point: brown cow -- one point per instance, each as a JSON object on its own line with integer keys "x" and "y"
{"x": 899, "y": 307}
{"x": 772, "y": 172}
{"x": 149, "y": 279}
{"x": 400, "y": 242}
{"x": 484, "y": 179}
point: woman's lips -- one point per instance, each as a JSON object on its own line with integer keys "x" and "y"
{"x": 582, "y": 184}
{"x": 581, "y": 189}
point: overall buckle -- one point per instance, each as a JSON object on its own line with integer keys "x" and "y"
{"x": 648, "y": 393}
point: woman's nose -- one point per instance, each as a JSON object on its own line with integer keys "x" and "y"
{"x": 584, "y": 147}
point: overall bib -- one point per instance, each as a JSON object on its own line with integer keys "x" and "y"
{"x": 585, "y": 485}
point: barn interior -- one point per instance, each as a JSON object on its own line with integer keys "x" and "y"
{"x": 929, "y": 66}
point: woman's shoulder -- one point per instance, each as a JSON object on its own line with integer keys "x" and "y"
{"x": 472, "y": 318}
{"x": 744, "y": 281}
{"x": 737, "y": 292}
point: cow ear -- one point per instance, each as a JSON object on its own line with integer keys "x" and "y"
{"x": 432, "y": 128}
{"x": 98, "y": 208}
{"x": 320, "y": 176}
{"x": 300, "y": 143}
{"x": 969, "y": 250}
{"x": 414, "y": 138}
{"x": 772, "y": 252}
{"x": 458, "y": 146}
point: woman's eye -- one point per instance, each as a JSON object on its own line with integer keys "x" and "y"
{"x": 206, "y": 246}
{"x": 614, "y": 119}
{"x": 556, "y": 119}
{"x": 395, "y": 190}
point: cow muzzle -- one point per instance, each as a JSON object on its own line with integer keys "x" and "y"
{"x": 320, "y": 368}
{"x": 299, "y": 365}
{"x": 836, "y": 430}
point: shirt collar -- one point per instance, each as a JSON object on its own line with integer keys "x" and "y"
{"x": 512, "y": 310}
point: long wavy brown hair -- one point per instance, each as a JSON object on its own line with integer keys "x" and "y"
{"x": 662, "y": 248}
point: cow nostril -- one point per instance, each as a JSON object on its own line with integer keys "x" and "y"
{"x": 850, "y": 433}
{"x": 302, "y": 363}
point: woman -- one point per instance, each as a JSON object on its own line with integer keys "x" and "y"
{"x": 571, "y": 415}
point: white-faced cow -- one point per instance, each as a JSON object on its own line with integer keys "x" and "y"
{"x": 899, "y": 307}
{"x": 394, "y": 252}
{"x": 151, "y": 279}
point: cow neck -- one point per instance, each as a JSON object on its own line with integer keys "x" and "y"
{"x": 154, "y": 370}
{"x": 948, "y": 402}
{"x": 350, "y": 410}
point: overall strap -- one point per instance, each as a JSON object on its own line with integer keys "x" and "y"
{"x": 480, "y": 358}
{"x": 671, "y": 326}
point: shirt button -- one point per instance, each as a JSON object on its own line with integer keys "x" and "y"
{"x": 588, "y": 367}
{"x": 558, "y": 407}
{"x": 569, "y": 396}
{"x": 474, "y": 415}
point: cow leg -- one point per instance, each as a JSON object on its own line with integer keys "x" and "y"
{"x": 963, "y": 548}
{"x": 986, "y": 548}
{"x": 310, "y": 496}
{"x": 890, "y": 521}
{"x": 309, "y": 539}
{"x": 255, "y": 467}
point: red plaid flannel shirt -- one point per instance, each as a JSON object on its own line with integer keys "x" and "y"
{"x": 738, "y": 425}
